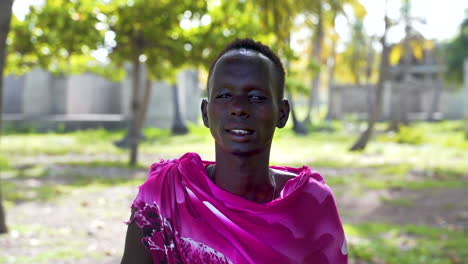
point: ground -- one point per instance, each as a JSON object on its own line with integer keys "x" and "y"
{"x": 70, "y": 207}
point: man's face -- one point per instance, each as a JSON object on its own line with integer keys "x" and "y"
{"x": 243, "y": 109}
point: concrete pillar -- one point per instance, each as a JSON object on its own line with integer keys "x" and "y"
{"x": 12, "y": 95}
{"x": 59, "y": 95}
{"x": 387, "y": 99}
{"x": 37, "y": 90}
{"x": 160, "y": 110}
{"x": 336, "y": 102}
{"x": 189, "y": 95}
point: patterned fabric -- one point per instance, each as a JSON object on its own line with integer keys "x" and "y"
{"x": 186, "y": 218}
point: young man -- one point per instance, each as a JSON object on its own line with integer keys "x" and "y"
{"x": 237, "y": 209}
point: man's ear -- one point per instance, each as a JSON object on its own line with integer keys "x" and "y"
{"x": 204, "y": 113}
{"x": 283, "y": 113}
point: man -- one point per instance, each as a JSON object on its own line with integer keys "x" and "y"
{"x": 237, "y": 209}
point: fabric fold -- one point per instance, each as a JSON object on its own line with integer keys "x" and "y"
{"x": 186, "y": 218}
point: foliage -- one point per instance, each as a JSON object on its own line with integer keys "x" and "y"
{"x": 417, "y": 44}
{"x": 355, "y": 56}
{"x": 4, "y": 164}
{"x": 151, "y": 31}
{"x": 456, "y": 52}
{"x": 54, "y": 36}
{"x": 208, "y": 39}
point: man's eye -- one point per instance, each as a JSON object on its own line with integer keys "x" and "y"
{"x": 257, "y": 98}
{"x": 225, "y": 95}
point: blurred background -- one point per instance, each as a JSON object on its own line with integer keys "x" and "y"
{"x": 93, "y": 92}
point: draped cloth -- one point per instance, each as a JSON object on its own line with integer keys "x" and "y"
{"x": 186, "y": 218}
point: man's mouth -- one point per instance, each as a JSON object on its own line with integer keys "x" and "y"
{"x": 239, "y": 131}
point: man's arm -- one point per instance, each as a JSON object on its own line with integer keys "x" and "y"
{"x": 135, "y": 252}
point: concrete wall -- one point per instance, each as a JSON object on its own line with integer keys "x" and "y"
{"x": 91, "y": 94}
{"x": 161, "y": 109}
{"x": 452, "y": 104}
{"x": 87, "y": 98}
{"x": 352, "y": 99}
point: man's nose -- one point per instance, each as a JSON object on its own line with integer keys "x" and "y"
{"x": 240, "y": 106}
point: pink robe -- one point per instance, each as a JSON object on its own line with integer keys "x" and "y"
{"x": 186, "y": 218}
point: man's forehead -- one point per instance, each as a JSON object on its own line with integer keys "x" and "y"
{"x": 231, "y": 60}
{"x": 239, "y": 54}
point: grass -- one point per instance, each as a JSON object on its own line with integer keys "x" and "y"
{"x": 55, "y": 248}
{"x": 398, "y": 202}
{"x": 38, "y": 184}
{"x": 423, "y": 156}
{"x": 408, "y": 244}
{"x": 443, "y": 146}
{"x": 438, "y": 160}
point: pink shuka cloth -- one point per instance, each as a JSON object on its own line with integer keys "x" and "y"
{"x": 186, "y": 218}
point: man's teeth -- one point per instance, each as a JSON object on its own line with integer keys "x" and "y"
{"x": 240, "y": 131}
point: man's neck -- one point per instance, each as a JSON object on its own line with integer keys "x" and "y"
{"x": 244, "y": 175}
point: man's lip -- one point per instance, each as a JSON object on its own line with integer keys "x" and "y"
{"x": 237, "y": 128}
{"x": 239, "y": 134}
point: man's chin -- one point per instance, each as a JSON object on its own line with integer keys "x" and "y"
{"x": 244, "y": 151}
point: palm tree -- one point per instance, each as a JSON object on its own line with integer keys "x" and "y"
{"x": 376, "y": 110}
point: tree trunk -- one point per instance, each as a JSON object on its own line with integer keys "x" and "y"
{"x": 465, "y": 88}
{"x": 5, "y": 18}
{"x": 314, "y": 91}
{"x": 178, "y": 127}
{"x": 405, "y": 93}
{"x": 134, "y": 131}
{"x": 144, "y": 106}
{"x": 401, "y": 112}
{"x": 331, "y": 80}
{"x": 375, "y": 114}
{"x": 369, "y": 67}
{"x": 298, "y": 127}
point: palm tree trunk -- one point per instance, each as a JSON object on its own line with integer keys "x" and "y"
{"x": 178, "y": 127}
{"x": 362, "y": 141}
{"x": 369, "y": 67}
{"x": 144, "y": 105}
{"x": 298, "y": 127}
{"x": 331, "y": 80}
{"x": 134, "y": 131}
{"x": 314, "y": 91}
{"x": 401, "y": 111}
{"x": 5, "y": 19}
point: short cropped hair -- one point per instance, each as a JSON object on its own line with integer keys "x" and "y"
{"x": 257, "y": 46}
